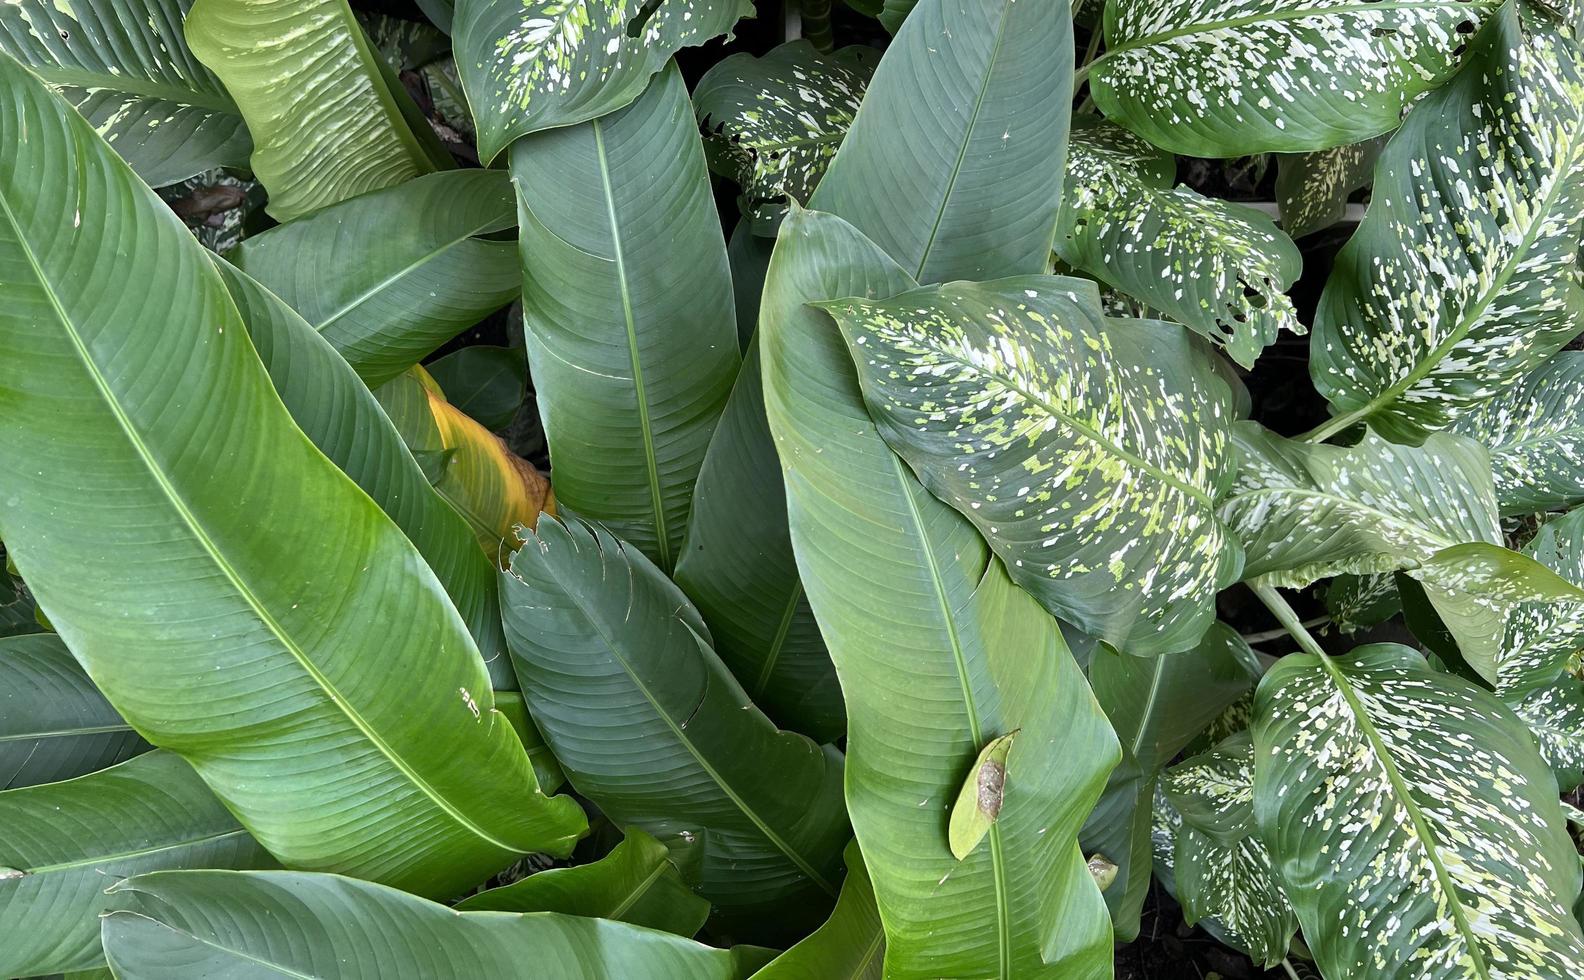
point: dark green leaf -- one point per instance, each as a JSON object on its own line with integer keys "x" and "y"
{"x": 486, "y": 384}
{"x": 54, "y": 724}
{"x": 851, "y": 943}
{"x": 1534, "y": 429}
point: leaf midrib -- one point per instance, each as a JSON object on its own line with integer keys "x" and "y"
{"x": 239, "y": 954}
{"x": 80, "y": 78}
{"x": 64, "y": 733}
{"x": 101, "y": 859}
{"x": 1418, "y": 530}
{"x": 639, "y": 890}
{"x": 779, "y": 641}
{"x": 1282, "y": 16}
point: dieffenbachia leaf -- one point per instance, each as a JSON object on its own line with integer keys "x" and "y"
{"x": 938, "y": 653}
{"x": 1221, "y": 269}
{"x": 1541, "y": 639}
{"x": 329, "y": 120}
{"x": 978, "y": 803}
{"x": 1088, "y": 452}
{"x": 1214, "y": 791}
{"x": 125, "y": 65}
{"x": 1555, "y": 714}
{"x": 530, "y": 65}
{"x": 1312, "y": 189}
{"x": 773, "y": 124}
{"x": 1226, "y": 78}
{"x": 1463, "y": 276}
{"x": 1413, "y": 823}
{"x": 1357, "y": 602}
{"x": 1534, "y": 430}
{"x": 851, "y": 943}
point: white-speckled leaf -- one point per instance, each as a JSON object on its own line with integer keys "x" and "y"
{"x": 1088, "y": 452}
{"x": 528, "y": 65}
{"x": 1214, "y": 791}
{"x": 1541, "y": 639}
{"x": 125, "y": 65}
{"x": 773, "y": 124}
{"x": 1463, "y": 276}
{"x": 1312, "y": 189}
{"x": 1412, "y": 821}
{"x": 1534, "y": 430}
{"x": 1357, "y": 602}
{"x": 1220, "y": 268}
{"x": 1225, "y": 78}
{"x": 1555, "y": 715}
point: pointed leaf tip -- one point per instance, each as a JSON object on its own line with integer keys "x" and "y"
{"x": 979, "y": 801}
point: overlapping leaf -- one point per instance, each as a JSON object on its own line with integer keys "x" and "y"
{"x": 1555, "y": 714}
{"x": 1357, "y": 602}
{"x": 54, "y": 724}
{"x": 1225, "y": 78}
{"x": 1312, "y": 189}
{"x": 1534, "y": 430}
{"x": 1463, "y": 276}
{"x": 851, "y": 943}
{"x": 1214, "y": 791}
{"x": 1540, "y": 639}
{"x": 1088, "y": 452}
{"x": 125, "y": 65}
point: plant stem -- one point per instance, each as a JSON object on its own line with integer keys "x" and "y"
{"x": 1332, "y": 426}
{"x": 1289, "y": 619}
{"x": 1080, "y": 76}
{"x": 1268, "y": 635}
{"x": 1289, "y": 968}
{"x": 1094, "y": 47}
{"x": 817, "y": 24}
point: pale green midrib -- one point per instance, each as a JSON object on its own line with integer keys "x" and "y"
{"x": 1298, "y": 13}
{"x": 1417, "y": 530}
{"x": 905, "y": 485}
{"x": 779, "y": 640}
{"x": 876, "y": 945}
{"x": 188, "y": 934}
{"x": 639, "y": 890}
{"x": 201, "y": 536}
{"x": 682, "y": 738}
{"x": 1159, "y": 668}
{"x": 1558, "y": 434}
{"x": 64, "y": 733}
{"x": 80, "y": 78}
{"x": 101, "y": 859}
{"x": 645, "y": 425}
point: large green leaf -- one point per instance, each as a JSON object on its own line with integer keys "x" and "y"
{"x": 1540, "y": 639}
{"x": 628, "y": 308}
{"x": 125, "y": 65}
{"x": 541, "y": 64}
{"x": 1534, "y": 430}
{"x": 328, "y": 123}
{"x": 636, "y": 882}
{"x": 1221, "y": 269}
{"x": 618, "y": 673}
{"x": 54, "y": 724}
{"x": 1226, "y": 78}
{"x": 1555, "y": 714}
{"x": 954, "y": 163}
{"x": 391, "y": 275}
{"x": 1413, "y": 824}
{"x": 1214, "y": 791}
{"x": 1462, "y": 277}
{"x": 937, "y": 653}
{"x": 204, "y": 924}
{"x": 1089, "y": 452}
{"x": 62, "y": 844}
{"x": 235, "y": 596}
{"x": 851, "y": 943}
{"x": 1312, "y": 189}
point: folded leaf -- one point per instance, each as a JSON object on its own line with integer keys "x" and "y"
{"x": 851, "y": 943}
{"x": 1463, "y": 277}
{"x": 1226, "y": 78}
{"x": 1312, "y": 189}
{"x": 543, "y": 64}
{"x": 978, "y": 803}
{"x": 1088, "y": 452}
{"x": 54, "y": 724}
{"x": 1412, "y": 822}
{"x": 937, "y": 652}
{"x": 125, "y": 65}
{"x": 392, "y": 275}
{"x": 252, "y": 610}
{"x": 64, "y": 843}
{"x": 628, "y": 310}
{"x": 1534, "y": 430}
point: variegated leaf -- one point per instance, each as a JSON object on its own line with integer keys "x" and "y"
{"x": 1222, "y": 269}
{"x": 1555, "y": 715}
{"x": 528, "y": 65}
{"x": 1541, "y": 638}
{"x": 1225, "y": 78}
{"x": 1464, "y": 274}
{"x": 773, "y": 124}
{"x": 1413, "y": 823}
{"x": 1312, "y": 189}
{"x": 1534, "y": 430}
{"x": 1088, "y": 452}
{"x": 1214, "y": 791}
{"x": 1357, "y": 602}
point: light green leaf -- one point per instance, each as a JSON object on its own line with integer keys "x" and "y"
{"x": 1226, "y": 78}
{"x": 619, "y": 675}
{"x": 1214, "y": 791}
{"x": 392, "y": 275}
{"x": 1088, "y": 452}
{"x": 542, "y": 64}
{"x": 773, "y": 124}
{"x": 978, "y": 803}
{"x": 546, "y": 769}
{"x": 851, "y": 943}
{"x": 628, "y": 309}
{"x": 1555, "y": 714}
{"x": 1312, "y": 189}
{"x": 203, "y": 924}
{"x": 54, "y": 724}
{"x": 125, "y": 65}
{"x": 1463, "y": 276}
{"x": 1219, "y": 268}
{"x": 937, "y": 653}
{"x": 243, "y": 590}
{"x": 1534, "y": 429}
{"x": 64, "y": 843}
{"x": 636, "y": 882}
{"x": 1412, "y": 822}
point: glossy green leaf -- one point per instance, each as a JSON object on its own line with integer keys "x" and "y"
{"x": 937, "y": 653}
{"x": 203, "y": 924}
{"x": 634, "y": 883}
{"x": 1540, "y": 639}
{"x": 851, "y": 943}
{"x": 978, "y": 803}
{"x": 1461, "y": 279}
{"x": 1088, "y": 452}
{"x": 251, "y": 609}
{"x": 951, "y": 167}
{"x": 54, "y": 724}
{"x": 487, "y": 384}
{"x": 392, "y": 275}
{"x": 546, "y": 770}
{"x": 1534, "y": 429}
{"x": 1312, "y": 189}
{"x": 619, "y": 675}
{"x": 1555, "y": 715}
{"x": 628, "y": 310}
{"x": 1357, "y": 602}
{"x": 749, "y": 256}
{"x": 1226, "y": 78}
{"x": 1219, "y": 268}
{"x": 62, "y": 844}
{"x": 542, "y": 64}
{"x": 1412, "y": 822}
{"x": 125, "y": 65}
{"x": 1214, "y": 791}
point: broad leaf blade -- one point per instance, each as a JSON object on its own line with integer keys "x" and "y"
{"x": 1312, "y": 189}
{"x": 1232, "y": 890}
{"x": 1534, "y": 430}
{"x": 1540, "y": 640}
{"x": 54, "y": 724}
{"x": 1214, "y": 791}
{"x": 485, "y": 383}
{"x": 851, "y": 943}
{"x": 1555, "y": 714}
